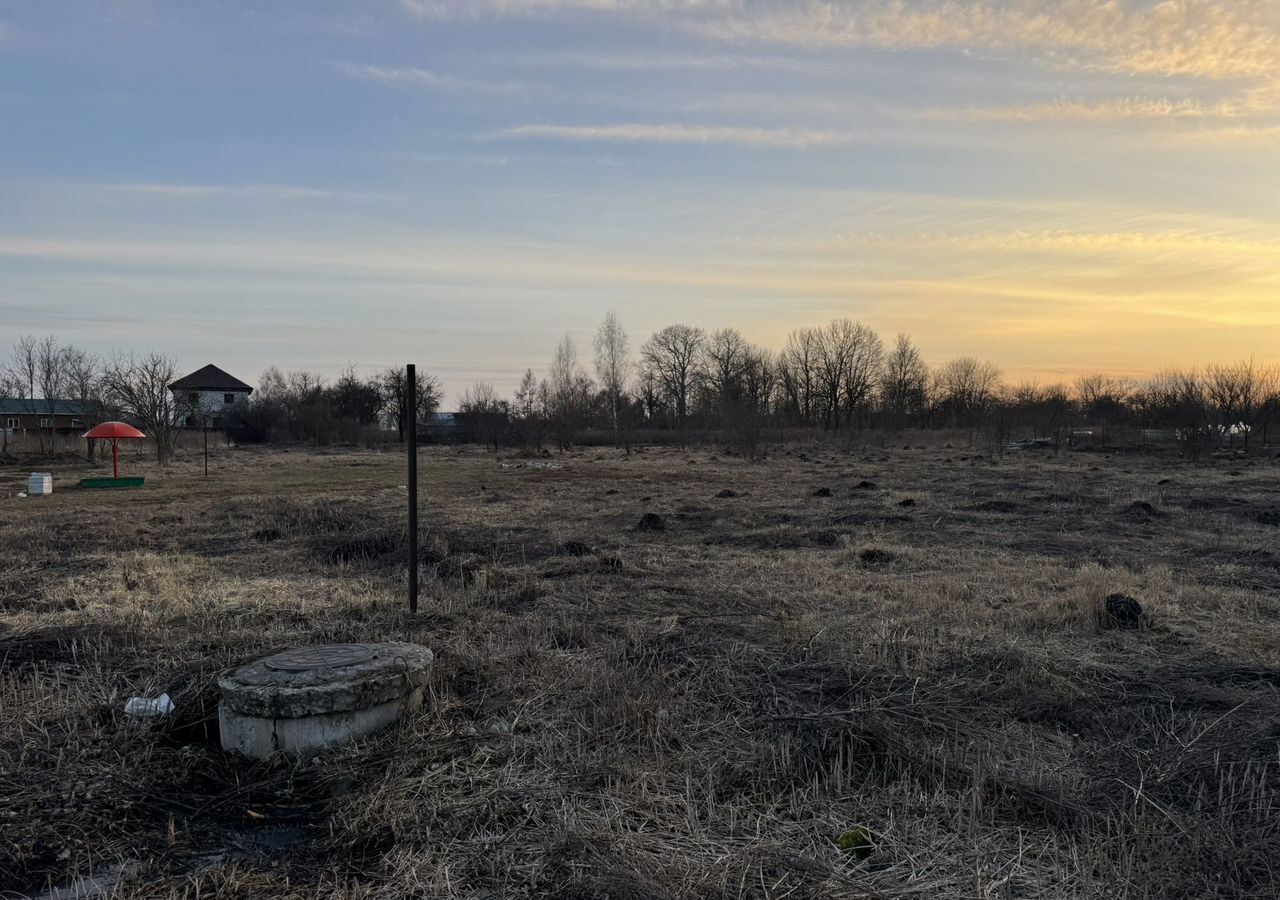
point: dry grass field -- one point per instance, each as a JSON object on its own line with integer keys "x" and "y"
{"x": 833, "y": 673}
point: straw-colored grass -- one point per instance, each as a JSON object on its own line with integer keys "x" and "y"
{"x": 701, "y": 711}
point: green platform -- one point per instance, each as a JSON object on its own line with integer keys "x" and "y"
{"x": 115, "y": 483}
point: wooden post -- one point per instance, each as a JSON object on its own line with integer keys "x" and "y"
{"x": 205, "y": 428}
{"x": 411, "y": 388}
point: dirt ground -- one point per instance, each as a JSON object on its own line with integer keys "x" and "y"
{"x": 831, "y": 673}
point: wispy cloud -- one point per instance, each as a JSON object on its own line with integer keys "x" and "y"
{"x": 426, "y": 79}
{"x": 1082, "y": 111}
{"x": 1208, "y": 38}
{"x": 261, "y": 191}
{"x": 654, "y": 62}
{"x": 1034, "y": 299}
{"x": 1087, "y": 287}
{"x": 1147, "y": 246}
{"x": 453, "y": 8}
{"x": 1231, "y": 134}
{"x": 353, "y": 25}
{"x": 796, "y": 138}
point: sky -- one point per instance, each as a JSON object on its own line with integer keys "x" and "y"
{"x": 1060, "y": 187}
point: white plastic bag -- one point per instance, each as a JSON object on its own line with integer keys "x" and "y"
{"x": 149, "y": 706}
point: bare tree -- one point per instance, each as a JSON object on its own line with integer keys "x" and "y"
{"x": 1270, "y": 410}
{"x": 24, "y": 366}
{"x": 760, "y": 380}
{"x": 569, "y": 392}
{"x": 10, "y": 386}
{"x": 139, "y": 386}
{"x": 51, "y": 379}
{"x": 83, "y": 380}
{"x": 797, "y": 373}
{"x": 866, "y": 360}
{"x": 849, "y": 355}
{"x": 1238, "y": 395}
{"x": 725, "y": 359}
{"x": 757, "y": 385}
{"x": 904, "y": 383}
{"x": 529, "y": 410}
{"x": 394, "y": 386}
{"x": 613, "y": 363}
{"x": 1176, "y": 398}
{"x": 526, "y": 406}
{"x": 966, "y": 388}
{"x": 83, "y": 377}
{"x": 484, "y": 415}
{"x": 671, "y": 357}
{"x": 1103, "y": 399}
{"x": 652, "y": 398}
{"x": 1046, "y": 409}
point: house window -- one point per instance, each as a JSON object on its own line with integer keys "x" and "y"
{"x": 10, "y": 423}
{"x": 46, "y": 423}
{"x": 228, "y": 398}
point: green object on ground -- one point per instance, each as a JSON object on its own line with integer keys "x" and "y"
{"x": 112, "y": 482}
{"x": 858, "y": 842}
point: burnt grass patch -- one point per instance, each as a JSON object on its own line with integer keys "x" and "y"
{"x": 870, "y": 519}
{"x": 449, "y": 552}
{"x": 994, "y": 506}
{"x": 651, "y": 522}
{"x": 875, "y": 558}
{"x": 69, "y": 645}
{"x": 366, "y": 548}
{"x": 779, "y": 538}
{"x": 1270, "y": 518}
{"x": 1140, "y": 511}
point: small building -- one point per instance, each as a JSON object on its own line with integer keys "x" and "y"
{"x": 55, "y": 416}
{"x": 438, "y": 428}
{"x": 209, "y": 397}
{"x": 1082, "y": 440}
{"x": 1161, "y": 437}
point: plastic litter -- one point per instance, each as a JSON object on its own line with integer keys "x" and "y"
{"x": 149, "y": 706}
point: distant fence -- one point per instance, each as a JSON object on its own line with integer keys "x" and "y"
{"x": 34, "y": 446}
{"x": 37, "y": 445}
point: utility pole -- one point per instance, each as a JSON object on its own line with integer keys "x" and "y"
{"x": 411, "y": 387}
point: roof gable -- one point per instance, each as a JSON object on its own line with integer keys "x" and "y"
{"x": 210, "y": 378}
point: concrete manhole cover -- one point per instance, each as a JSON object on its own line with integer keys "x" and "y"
{"x": 329, "y": 656}
{"x": 313, "y": 697}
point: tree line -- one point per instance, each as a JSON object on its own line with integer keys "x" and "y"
{"x": 682, "y": 381}
{"x": 842, "y": 377}
{"x": 298, "y": 407}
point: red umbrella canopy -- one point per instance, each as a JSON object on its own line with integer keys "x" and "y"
{"x": 113, "y": 430}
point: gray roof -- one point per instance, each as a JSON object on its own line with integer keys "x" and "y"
{"x": 210, "y": 378}
{"x": 12, "y": 406}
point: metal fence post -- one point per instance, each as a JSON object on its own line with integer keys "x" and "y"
{"x": 412, "y": 403}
